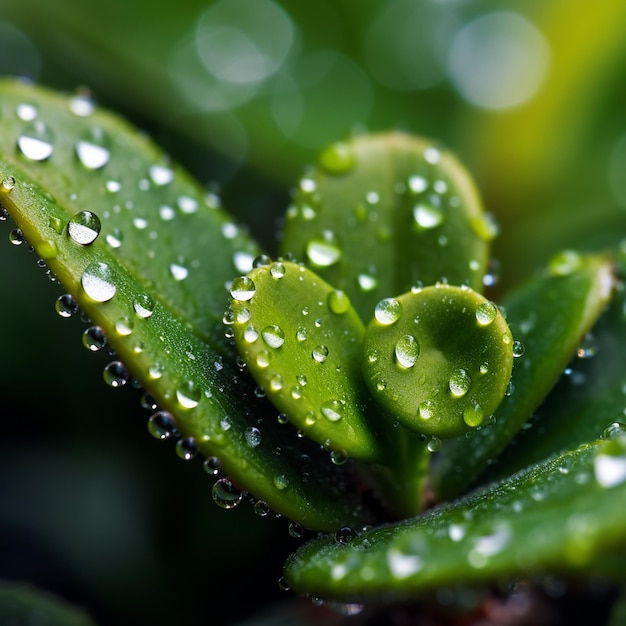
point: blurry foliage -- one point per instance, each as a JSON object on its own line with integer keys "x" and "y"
{"x": 103, "y": 517}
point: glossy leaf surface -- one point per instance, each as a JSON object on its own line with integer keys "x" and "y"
{"x": 214, "y": 404}
{"x": 558, "y": 516}
{"x": 549, "y": 315}
{"x": 380, "y": 213}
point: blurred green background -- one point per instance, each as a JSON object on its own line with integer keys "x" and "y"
{"x": 530, "y": 94}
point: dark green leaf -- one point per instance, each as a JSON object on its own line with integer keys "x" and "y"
{"x": 558, "y": 516}
{"x": 549, "y": 315}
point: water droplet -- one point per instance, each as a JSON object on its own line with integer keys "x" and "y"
{"x": 161, "y": 175}
{"x": 273, "y": 336}
{"x": 124, "y": 326}
{"x": 242, "y": 289}
{"x": 16, "y": 237}
{"x": 367, "y": 282}
{"x": 166, "y": 213}
{"x": 473, "y": 415}
{"x": 97, "y": 282}
{"x": 36, "y": 141}
{"x": 609, "y": 468}
{"x": 324, "y": 250}
{"x": 226, "y": 494}
{"x": 26, "y": 112}
{"x": 427, "y": 216}
{"x": 261, "y": 508}
{"x": 426, "y": 409}
{"x": 114, "y": 238}
{"x": 338, "y": 159}
{"x": 484, "y": 368}
{"x": 486, "y": 313}
{"x": 92, "y": 151}
{"x": 320, "y": 353}
{"x": 143, "y": 305}
{"x": 187, "y": 205}
{"x": 47, "y": 249}
{"x": 338, "y": 457}
{"x": 253, "y": 436}
{"x": 84, "y": 227}
{"x": 301, "y": 334}
{"x": 388, "y": 311}
{"x": 417, "y": 184}
{"x": 432, "y": 156}
{"x": 276, "y": 382}
{"x": 295, "y": 530}
{"x": 345, "y": 535}
{"x": 518, "y": 349}
{"x": 338, "y": 302}
{"x": 155, "y": 371}
{"x": 332, "y": 410}
{"x": 459, "y": 383}
{"x": 82, "y": 104}
{"x": 250, "y": 334}
{"x": 434, "y": 444}
{"x": 281, "y": 482}
{"x": 188, "y": 395}
{"x": 277, "y": 270}
{"x": 212, "y": 466}
{"x": 564, "y": 263}
{"x": 187, "y": 448}
{"x": 261, "y": 261}
{"x": 66, "y": 305}
{"x": 407, "y": 351}
{"x": 8, "y": 184}
{"x": 263, "y": 359}
{"x": 179, "y": 272}
{"x": 115, "y": 374}
{"x": 94, "y": 338}
{"x": 161, "y": 425}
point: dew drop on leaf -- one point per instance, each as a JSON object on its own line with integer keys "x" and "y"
{"x": 338, "y": 159}
{"x": 427, "y": 216}
{"x": 473, "y": 415}
{"x": 338, "y": 302}
{"x": 226, "y": 494}
{"x": 434, "y": 444}
{"x": 161, "y": 175}
{"x": 187, "y": 448}
{"x": 277, "y": 270}
{"x": 92, "y": 150}
{"x": 8, "y": 184}
{"x": 36, "y": 141}
{"x": 324, "y": 250}
{"x": 66, "y": 305}
{"x": 94, "y": 338}
{"x": 212, "y": 466}
{"x": 188, "y": 395}
{"x": 273, "y": 336}
{"x": 407, "y": 351}
{"x": 97, "y": 282}
{"x": 261, "y": 508}
{"x": 179, "y": 272}
{"x": 242, "y": 289}
{"x": 161, "y": 425}
{"x": 518, "y": 349}
{"x": 459, "y": 383}
{"x": 332, "y": 410}
{"x": 281, "y": 482}
{"x": 486, "y": 313}
{"x": 84, "y": 227}
{"x": 295, "y": 530}
{"x": 253, "y": 436}
{"x": 143, "y": 305}
{"x": 115, "y": 374}
{"x": 320, "y": 353}
{"x": 388, "y": 311}
{"x": 16, "y": 237}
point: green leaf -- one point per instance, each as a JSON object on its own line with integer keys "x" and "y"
{"x": 559, "y": 516}
{"x": 23, "y": 604}
{"x": 154, "y": 218}
{"x": 549, "y": 315}
{"x": 301, "y": 340}
{"x": 588, "y": 398}
{"x": 157, "y": 327}
{"x": 438, "y": 359}
{"x": 383, "y": 212}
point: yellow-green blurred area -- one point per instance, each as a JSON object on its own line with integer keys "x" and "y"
{"x": 531, "y": 94}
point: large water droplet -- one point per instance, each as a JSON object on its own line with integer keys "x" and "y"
{"x": 144, "y": 305}
{"x": 84, "y": 227}
{"x": 459, "y": 383}
{"x": 324, "y": 250}
{"x": 407, "y": 350}
{"x": 92, "y": 150}
{"x": 97, "y": 282}
{"x": 332, "y": 410}
{"x": 115, "y": 374}
{"x": 320, "y": 353}
{"x": 388, "y": 311}
{"x": 427, "y": 216}
{"x": 226, "y": 494}
{"x": 162, "y": 425}
{"x": 188, "y": 395}
{"x": 242, "y": 289}
{"x": 486, "y": 313}
{"x": 36, "y": 142}
{"x": 273, "y": 336}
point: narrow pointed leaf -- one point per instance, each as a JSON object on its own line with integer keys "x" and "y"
{"x": 588, "y": 399}
{"x": 302, "y": 341}
{"x": 153, "y": 216}
{"x": 559, "y": 516}
{"x": 383, "y": 212}
{"x": 212, "y": 401}
{"x": 549, "y": 315}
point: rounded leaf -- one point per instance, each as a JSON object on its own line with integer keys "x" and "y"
{"x": 439, "y": 359}
{"x": 301, "y": 340}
